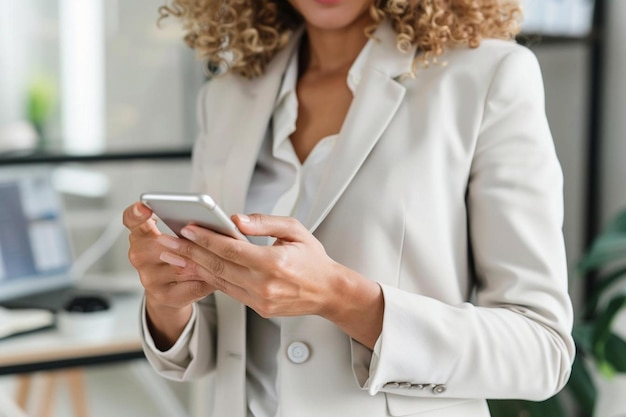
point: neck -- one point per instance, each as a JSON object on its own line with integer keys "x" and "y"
{"x": 334, "y": 50}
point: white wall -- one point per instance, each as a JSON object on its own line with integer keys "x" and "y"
{"x": 28, "y": 49}
{"x": 148, "y": 81}
{"x": 152, "y": 78}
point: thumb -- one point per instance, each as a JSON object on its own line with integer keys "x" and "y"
{"x": 138, "y": 217}
{"x": 284, "y": 228}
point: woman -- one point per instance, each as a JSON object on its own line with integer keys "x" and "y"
{"x": 410, "y": 258}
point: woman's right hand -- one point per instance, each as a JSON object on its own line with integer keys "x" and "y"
{"x": 169, "y": 295}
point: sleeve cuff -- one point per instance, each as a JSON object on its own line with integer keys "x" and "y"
{"x": 178, "y": 356}
{"x": 363, "y": 361}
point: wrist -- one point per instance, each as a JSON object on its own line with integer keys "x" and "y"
{"x": 166, "y": 323}
{"x": 335, "y": 301}
{"x": 356, "y": 305}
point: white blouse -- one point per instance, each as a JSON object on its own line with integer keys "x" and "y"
{"x": 282, "y": 186}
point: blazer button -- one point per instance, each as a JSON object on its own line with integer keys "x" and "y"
{"x": 298, "y": 352}
{"x": 439, "y": 389}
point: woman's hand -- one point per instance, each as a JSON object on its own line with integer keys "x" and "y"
{"x": 169, "y": 291}
{"x": 292, "y": 277}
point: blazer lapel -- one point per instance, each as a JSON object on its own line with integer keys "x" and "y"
{"x": 249, "y": 105}
{"x": 376, "y": 100}
{"x": 245, "y": 126}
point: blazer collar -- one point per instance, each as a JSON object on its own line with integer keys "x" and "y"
{"x": 251, "y": 103}
{"x": 385, "y": 57}
{"x": 377, "y": 96}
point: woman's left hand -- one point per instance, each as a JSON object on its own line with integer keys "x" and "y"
{"x": 292, "y": 277}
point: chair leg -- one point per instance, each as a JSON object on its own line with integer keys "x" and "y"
{"x": 49, "y": 389}
{"x": 24, "y": 383}
{"x": 76, "y": 385}
{"x": 76, "y": 381}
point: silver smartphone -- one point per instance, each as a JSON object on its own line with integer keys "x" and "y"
{"x": 177, "y": 210}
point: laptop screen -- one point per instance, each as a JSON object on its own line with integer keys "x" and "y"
{"x": 35, "y": 253}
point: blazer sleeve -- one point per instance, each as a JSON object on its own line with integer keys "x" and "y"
{"x": 515, "y": 340}
{"x": 193, "y": 354}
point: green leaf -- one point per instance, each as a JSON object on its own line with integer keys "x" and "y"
{"x": 615, "y": 351}
{"x": 605, "y": 282}
{"x": 583, "y": 336}
{"x": 504, "y": 408}
{"x": 602, "y": 330}
{"x": 607, "y": 247}
{"x": 41, "y": 99}
{"x": 610, "y": 245}
{"x": 618, "y": 224}
{"x": 549, "y": 408}
{"x": 518, "y": 408}
{"x": 606, "y": 369}
{"x": 582, "y": 387}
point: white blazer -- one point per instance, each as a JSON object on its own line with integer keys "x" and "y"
{"x": 444, "y": 188}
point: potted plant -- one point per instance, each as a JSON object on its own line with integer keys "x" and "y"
{"x": 601, "y": 352}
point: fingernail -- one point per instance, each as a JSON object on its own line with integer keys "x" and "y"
{"x": 136, "y": 211}
{"x": 170, "y": 258}
{"x": 243, "y": 218}
{"x": 188, "y": 234}
{"x": 168, "y": 242}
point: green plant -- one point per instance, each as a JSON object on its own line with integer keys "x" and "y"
{"x": 41, "y": 98}
{"x": 596, "y": 344}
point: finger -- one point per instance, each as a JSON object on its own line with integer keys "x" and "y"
{"x": 181, "y": 293}
{"x": 191, "y": 290}
{"x": 238, "y": 252}
{"x": 148, "y": 230}
{"x": 156, "y": 276}
{"x": 284, "y": 228}
{"x": 143, "y": 253}
{"x": 195, "y": 259}
{"x": 188, "y": 271}
{"x": 167, "y": 274}
{"x": 138, "y": 218}
{"x": 135, "y": 214}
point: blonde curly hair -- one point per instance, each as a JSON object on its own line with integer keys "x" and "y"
{"x": 244, "y": 35}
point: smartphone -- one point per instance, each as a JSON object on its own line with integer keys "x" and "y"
{"x": 177, "y": 210}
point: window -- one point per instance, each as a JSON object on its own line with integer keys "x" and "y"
{"x": 95, "y": 74}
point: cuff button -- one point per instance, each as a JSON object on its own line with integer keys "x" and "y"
{"x": 439, "y": 389}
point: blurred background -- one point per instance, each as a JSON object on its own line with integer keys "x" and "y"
{"x": 105, "y": 98}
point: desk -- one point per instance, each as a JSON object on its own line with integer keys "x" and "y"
{"x": 49, "y": 350}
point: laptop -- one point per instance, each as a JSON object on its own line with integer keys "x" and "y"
{"x": 35, "y": 247}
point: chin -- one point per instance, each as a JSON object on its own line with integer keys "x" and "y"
{"x": 332, "y": 14}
